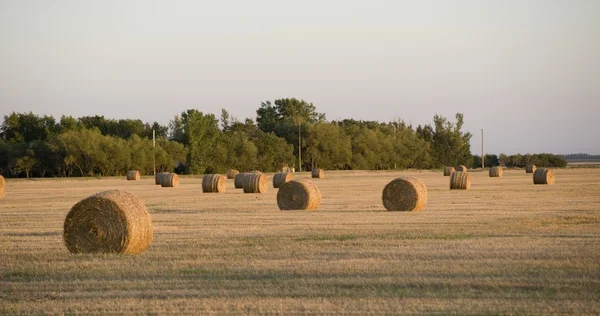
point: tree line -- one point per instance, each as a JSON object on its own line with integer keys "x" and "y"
{"x": 285, "y": 133}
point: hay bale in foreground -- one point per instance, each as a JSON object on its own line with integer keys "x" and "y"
{"x": 232, "y": 173}
{"x": 108, "y": 222}
{"x": 280, "y": 178}
{"x": 238, "y": 181}
{"x": 496, "y": 172}
{"x": 2, "y": 186}
{"x": 448, "y": 171}
{"x": 543, "y": 176}
{"x": 158, "y": 177}
{"x": 169, "y": 180}
{"x": 461, "y": 168}
{"x": 298, "y": 195}
{"x": 318, "y": 173}
{"x": 255, "y": 183}
{"x": 133, "y": 175}
{"x": 530, "y": 168}
{"x": 405, "y": 194}
{"x": 460, "y": 180}
{"x": 213, "y": 183}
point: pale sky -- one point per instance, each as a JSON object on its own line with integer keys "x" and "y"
{"x": 527, "y": 72}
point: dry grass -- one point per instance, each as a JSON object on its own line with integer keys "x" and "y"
{"x": 505, "y": 247}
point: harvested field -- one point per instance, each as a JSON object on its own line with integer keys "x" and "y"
{"x": 506, "y": 246}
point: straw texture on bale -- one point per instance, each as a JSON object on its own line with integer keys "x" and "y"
{"x": 543, "y": 176}
{"x": 405, "y": 194}
{"x": 133, "y": 175}
{"x": 2, "y": 186}
{"x": 158, "y": 177}
{"x": 169, "y": 180}
{"x": 460, "y": 180}
{"x": 496, "y": 172}
{"x": 318, "y": 173}
{"x": 238, "y": 181}
{"x": 280, "y": 178}
{"x": 108, "y": 222}
{"x": 461, "y": 168}
{"x": 213, "y": 183}
{"x": 298, "y": 195}
{"x": 255, "y": 183}
{"x": 232, "y": 173}
{"x": 530, "y": 168}
{"x": 448, "y": 171}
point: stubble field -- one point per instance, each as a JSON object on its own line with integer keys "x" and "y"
{"x": 505, "y": 246}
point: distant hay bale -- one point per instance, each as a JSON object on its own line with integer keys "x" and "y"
{"x": 461, "y": 168}
{"x": 2, "y": 186}
{"x": 448, "y": 171}
{"x": 133, "y": 175}
{"x": 255, "y": 183}
{"x": 530, "y": 168}
{"x": 543, "y": 176}
{"x": 318, "y": 173}
{"x": 405, "y": 194}
{"x": 496, "y": 172}
{"x": 169, "y": 180}
{"x": 232, "y": 173}
{"x": 280, "y": 178}
{"x": 238, "y": 181}
{"x": 108, "y": 222}
{"x": 255, "y": 172}
{"x": 158, "y": 177}
{"x": 298, "y": 195}
{"x": 213, "y": 183}
{"x": 460, "y": 180}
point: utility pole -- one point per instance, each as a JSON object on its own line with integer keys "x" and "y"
{"x": 482, "y": 156}
{"x": 299, "y": 148}
{"x": 154, "y": 150}
{"x": 395, "y": 129}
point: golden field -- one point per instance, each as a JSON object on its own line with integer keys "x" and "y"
{"x": 505, "y": 246}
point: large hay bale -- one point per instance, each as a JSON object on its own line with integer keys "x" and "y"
{"x": 238, "y": 181}
{"x": 448, "y": 171}
{"x": 280, "y": 178}
{"x": 461, "y": 168}
{"x": 169, "y": 180}
{"x": 405, "y": 194}
{"x": 255, "y": 183}
{"x": 318, "y": 173}
{"x": 2, "y": 186}
{"x": 530, "y": 168}
{"x": 460, "y": 180}
{"x": 213, "y": 183}
{"x": 496, "y": 172}
{"x": 298, "y": 195}
{"x": 543, "y": 176}
{"x": 158, "y": 177}
{"x": 133, "y": 175}
{"x": 108, "y": 222}
{"x": 232, "y": 173}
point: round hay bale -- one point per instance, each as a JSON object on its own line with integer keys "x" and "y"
{"x": 496, "y": 172}
{"x": 238, "y": 181}
{"x": 133, "y": 175}
{"x": 405, "y": 194}
{"x": 298, "y": 195}
{"x": 232, "y": 173}
{"x": 255, "y": 172}
{"x": 213, "y": 183}
{"x": 530, "y": 168}
{"x": 543, "y": 176}
{"x": 280, "y": 178}
{"x": 318, "y": 173}
{"x": 2, "y": 186}
{"x": 461, "y": 168}
{"x": 108, "y": 222}
{"x": 460, "y": 180}
{"x": 158, "y": 177}
{"x": 169, "y": 180}
{"x": 255, "y": 183}
{"x": 448, "y": 171}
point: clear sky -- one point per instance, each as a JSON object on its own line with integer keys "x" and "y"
{"x": 526, "y": 71}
